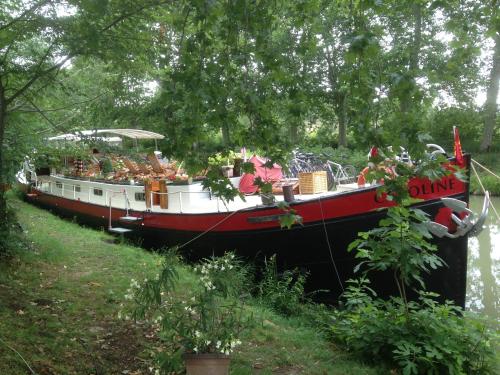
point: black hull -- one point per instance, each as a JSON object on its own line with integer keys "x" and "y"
{"x": 306, "y": 247}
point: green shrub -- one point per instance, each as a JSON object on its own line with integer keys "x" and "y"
{"x": 11, "y": 236}
{"x": 490, "y": 183}
{"x": 283, "y": 292}
{"x": 207, "y": 318}
{"x": 428, "y": 338}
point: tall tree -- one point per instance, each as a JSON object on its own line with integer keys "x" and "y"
{"x": 37, "y": 39}
{"x": 491, "y": 105}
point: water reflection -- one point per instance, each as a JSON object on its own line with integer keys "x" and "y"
{"x": 483, "y": 276}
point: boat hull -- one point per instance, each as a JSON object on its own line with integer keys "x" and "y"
{"x": 317, "y": 247}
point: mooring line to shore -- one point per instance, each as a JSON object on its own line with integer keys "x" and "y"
{"x": 209, "y": 229}
{"x": 328, "y": 243}
{"x": 482, "y": 186}
{"x": 486, "y": 169}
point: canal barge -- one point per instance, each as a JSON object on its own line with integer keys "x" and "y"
{"x": 189, "y": 216}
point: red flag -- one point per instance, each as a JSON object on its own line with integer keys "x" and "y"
{"x": 373, "y": 152}
{"x": 458, "y": 147}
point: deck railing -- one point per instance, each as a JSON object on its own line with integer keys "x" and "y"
{"x": 47, "y": 186}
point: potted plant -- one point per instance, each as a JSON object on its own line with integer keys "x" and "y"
{"x": 201, "y": 327}
{"x": 266, "y": 191}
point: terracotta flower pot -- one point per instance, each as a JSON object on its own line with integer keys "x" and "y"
{"x": 206, "y": 364}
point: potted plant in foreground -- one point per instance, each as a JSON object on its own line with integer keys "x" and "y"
{"x": 200, "y": 326}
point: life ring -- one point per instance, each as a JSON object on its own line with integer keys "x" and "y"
{"x": 362, "y": 177}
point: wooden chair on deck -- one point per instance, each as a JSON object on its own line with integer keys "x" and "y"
{"x": 132, "y": 167}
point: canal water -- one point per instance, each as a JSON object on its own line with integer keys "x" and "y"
{"x": 483, "y": 274}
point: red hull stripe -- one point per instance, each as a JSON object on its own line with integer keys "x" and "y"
{"x": 327, "y": 208}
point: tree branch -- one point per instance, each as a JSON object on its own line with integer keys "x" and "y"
{"x": 35, "y": 77}
{"x": 24, "y": 14}
{"x": 72, "y": 105}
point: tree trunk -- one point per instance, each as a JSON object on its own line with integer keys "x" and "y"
{"x": 226, "y": 138}
{"x": 294, "y": 133}
{"x": 414, "y": 52}
{"x": 3, "y": 118}
{"x": 342, "y": 117}
{"x": 490, "y": 106}
{"x": 417, "y": 38}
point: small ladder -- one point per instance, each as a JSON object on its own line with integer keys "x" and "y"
{"x": 119, "y": 230}
{"x": 130, "y": 219}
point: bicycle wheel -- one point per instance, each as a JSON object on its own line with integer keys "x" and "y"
{"x": 351, "y": 173}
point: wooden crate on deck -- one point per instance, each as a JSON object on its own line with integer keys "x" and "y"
{"x": 313, "y": 182}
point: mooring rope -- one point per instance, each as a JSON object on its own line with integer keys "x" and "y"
{"x": 484, "y": 190}
{"x": 329, "y": 246}
{"x": 209, "y": 229}
{"x": 486, "y": 169}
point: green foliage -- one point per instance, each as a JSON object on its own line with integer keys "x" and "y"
{"x": 386, "y": 166}
{"x": 400, "y": 244}
{"x": 12, "y": 240}
{"x": 208, "y": 318}
{"x": 423, "y": 338}
{"x": 47, "y": 275}
{"x": 419, "y": 337}
{"x": 217, "y": 183}
{"x": 342, "y": 155}
{"x": 490, "y": 183}
{"x": 283, "y": 292}
{"x": 289, "y": 217}
{"x": 107, "y": 166}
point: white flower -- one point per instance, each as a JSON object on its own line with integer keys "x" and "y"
{"x": 235, "y": 343}
{"x": 217, "y": 345}
{"x": 208, "y": 342}
{"x": 222, "y": 268}
{"x": 230, "y": 267}
{"x": 195, "y": 349}
{"x": 197, "y": 333}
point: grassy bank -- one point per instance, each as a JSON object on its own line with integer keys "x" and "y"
{"x": 60, "y": 298}
{"x": 490, "y": 182}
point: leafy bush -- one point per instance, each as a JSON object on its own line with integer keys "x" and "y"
{"x": 399, "y": 244}
{"x": 283, "y": 292}
{"x": 11, "y": 235}
{"x": 423, "y": 338}
{"x": 208, "y": 318}
{"x": 419, "y": 337}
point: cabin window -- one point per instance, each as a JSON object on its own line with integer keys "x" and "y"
{"x": 78, "y": 188}
{"x": 59, "y": 185}
{"x": 98, "y": 192}
{"x": 140, "y": 197}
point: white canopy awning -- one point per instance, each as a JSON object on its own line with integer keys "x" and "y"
{"x": 129, "y": 133}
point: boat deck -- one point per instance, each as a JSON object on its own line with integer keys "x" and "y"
{"x": 190, "y": 198}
